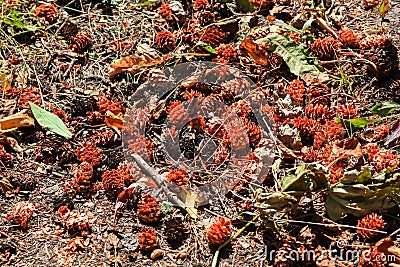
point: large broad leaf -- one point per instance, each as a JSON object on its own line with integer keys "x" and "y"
{"x": 305, "y": 178}
{"x": 295, "y": 55}
{"x": 384, "y": 108}
{"x": 50, "y": 121}
{"x": 355, "y": 176}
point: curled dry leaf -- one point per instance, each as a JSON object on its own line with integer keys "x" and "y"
{"x": 250, "y": 48}
{"x": 18, "y": 120}
{"x": 114, "y": 120}
{"x": 133, "y": 63}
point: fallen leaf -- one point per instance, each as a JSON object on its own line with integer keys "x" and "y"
{"x": 384, "y": 7}
{"x": 133, "y": 63}
{"x": 347, "y": 148}
{"x": 9, "y": 141}
{"x": 50, "y": 121}
{"x": 13, "y": 122}
{"x": 5, "y": 184}
{"x": 191, "y": 199}
{"x": 5, "y": 82}
{"x": 251, "y": 49}
{"x": 114, "y": 119}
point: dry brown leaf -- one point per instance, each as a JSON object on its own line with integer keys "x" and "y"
{"x": 18, "y": 120}
{"x": 133, "y": 63}
{"x": 11, "y": 142}
{"x": 114, "y": 119}
{"x": 250, "y": 48}
{"x": 347, "y": 148}
{"x": 5, "y": 82}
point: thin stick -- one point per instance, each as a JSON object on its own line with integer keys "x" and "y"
{"x": 215, "y": 259}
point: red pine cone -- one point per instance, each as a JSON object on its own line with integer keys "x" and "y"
{"x": 295, "y": 36}
{"x": 306, "y": 126}
{"x": 336, "y": 172}
{"x": 148, "y": 239}
{"x": 333, "y": 130}
{"x": 325, "y": 48}
{"x": 73, "y": 220}
{"x": 296, "y": 89}
{"x": 46, "y": 13}
{"x": 319, "y": 139}
{"x": 381, "y": 131}
{"x": 371, "y": 3}
{"x": 213, "y": 36}
{"x": 4, "y": 156}
{"x": 89, "y": 153}
{"x": 317, "y": 92}
{"x": 82, "y": 179}
{"x": 149, "y": 210}
{"x": 21, "y": 213}
{"x": 318, "y": 112}
{"x": 29, "y": 95}
{"x": 191, "y": 31}
{"x": 219, "y": 231}
{"x": 226, "y": 53}
{"x": 178, "y": 115}
{"x": 113, "y": 182}
{"x": 178, "y": 177}
{"x": 165, "y": 10}
{"x": 141, "y": 145}
{"x": 106, "y": 104}
{"x": 165, "y": 40}
{"x": 380, "y": 158}
{"x": 347, "y": 112}
{"x": 349, "y": 38}
{"x": 376, "y": 41}
{"x": 371, "y": 221}
{"x": 241, "y": 107}
{"x": 80, "y": 41}
{"x": 236, "y": 86}
{"x": 201, "y": 5}
{"x": 253, "y": 131}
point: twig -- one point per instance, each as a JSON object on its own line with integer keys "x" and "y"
{"x": 215, "y": 259}
{"x": 158, "y": 179}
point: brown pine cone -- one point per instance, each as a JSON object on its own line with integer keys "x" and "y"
{"x": 113, "y": 183}
{"x": 149, "y": 210}
{"x": 371, "y": 3}
{"x": 325, "y": 48}
{"x": 253, "y": 131}
{"x": 21, "y": 213}
{"x": 376, "y": 41}
{"x": 219, "y": 231}
{"x": 213, "y": 36}
{"x": 46, "y": 13}
{"x": 80, "y": 41}
{"x": 296, "y": 89}
{"x": 89, "y": 153}
{"x": 201, "y": 5}
{"x": 178, "y": 177}
{"x": 349, "y": 38}
{"x": 177, "y": 113}
{"x": 29, "y": 95}
{"x": 4, "y": 156}
{"x": 81, "y": 182}
{"x": 165, "y": 10}
{"x": 165, "y": 40}
{"x": 148, "y": 239}
{"x": 226, "y": 53}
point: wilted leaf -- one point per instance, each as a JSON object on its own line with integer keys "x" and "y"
{"x": 13, "y": 122}
{"x": 384, "y": 108}
{"x": 114, "y": 120}
{"x": 191, "y": 200}
{"x": 5, "y": 184}
{"x": 355, "y": 176}
{"x": 50, "y": 121}
{"x": 347, "y": 148}
{"x": 5, "y": 82}
{"x": 305, "y": 178}
{"x": 384, "y": 7}
{"x": 250, "y": 48}
{"x": 295, "y": 55}
{"x": 270, "y": 203}
{"x": 395, "y": 133}
{"x": 133, "y": 63}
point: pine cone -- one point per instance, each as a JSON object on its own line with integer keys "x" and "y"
{"x": 376, "y": 41}
{"x": 371, "y": 221}
{"x": 201, "y": 5}
{"x": 148, "y": 209}
{"x": 104, "y": 138}
{"x": 213, "y": 36}
{"x": 74, "y": 220}
{"x": 46, "y": 13}
{"x": 104, "y": 104}
{"x": 29, "y": 95}
{"x": 83, "y": 176}
{"x": 89, "y": 153}
{"x": 165, "y": 10}
{"x": 178, "y": 114}
{"x": 178, "y": 177}
{"x": 219, "y": 231}
{"x": 4, "y": 156}
{"x": 260, "y": 4}
{"x": 253, "y": 131}
{"x": 325, "y": 48}
{"x": 148, "y": 239}
{"x": 176, "y": 230}
{"x": 165, "y": 40}
{"x": 371, "y": 3}
{"x": 113, "y": 183}
{"x": 349, "y": 38}
{"x": 317, "y": 93}
{"x": 80, "y": 41}
{"x": 333, "y": 130}
{"x": 296, "y": 89}
{"x": 21, "y": 213}
{"x": 347, "y": 111}
{"x": 380, "y": 158}
{"x": 226, "y": 53}
{"x": 318, "y": 112}
{"x": 236, "y": 86}
{"x": 385, "y": 60}
{"x": 381, "y": 131}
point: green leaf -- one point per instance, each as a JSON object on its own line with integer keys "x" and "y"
{"x": 355, "y": 176}
{"x": 287, "y": 26}
{"x": 384, "y": 8}
{"x": 208, "y": 48}
{"x": 50, "y": 121}
{"x": 384, "y": 108}
{"x": 308, "y": 23}
{"x": 301, "y": 179}
{"x": 360, "y": 123}
{"x": 295, "y": 55}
